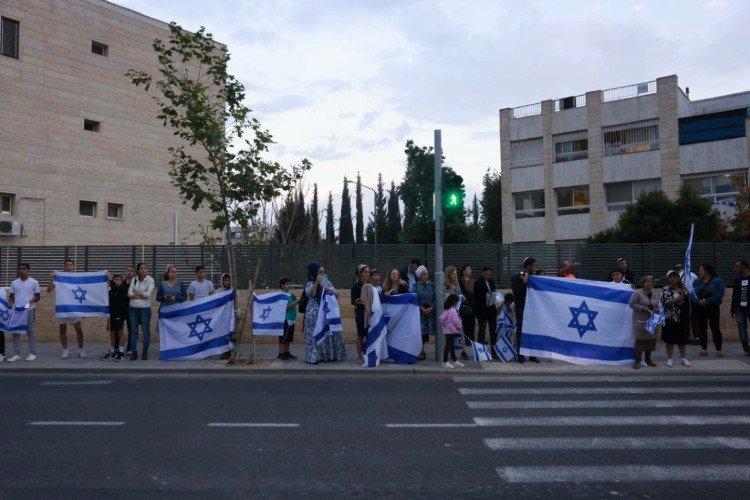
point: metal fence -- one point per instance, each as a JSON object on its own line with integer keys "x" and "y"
{"x": 595, "y": 260}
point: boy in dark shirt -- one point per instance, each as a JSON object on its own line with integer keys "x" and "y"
{"x": 118, "y": 308}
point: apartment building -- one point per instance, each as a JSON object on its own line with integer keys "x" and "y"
{"x": 82, "y": 158}
{"x": 571, "y": 165}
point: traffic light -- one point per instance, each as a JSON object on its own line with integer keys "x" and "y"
{"x": 453, "y": 195}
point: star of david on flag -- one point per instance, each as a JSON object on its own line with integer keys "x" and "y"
{"x": 12, "y": 320}
{"x": 577, "y": 312}
{"x": 269, "y": 313}
{"x": 205, "y": 324}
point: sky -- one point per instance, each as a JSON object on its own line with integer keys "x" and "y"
{"x": 345, "y": 83}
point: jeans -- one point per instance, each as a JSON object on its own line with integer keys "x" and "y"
{"x": 142, "y": 316}
{"x": 741, "y": 316}
{"x": 708, "y": 315}
{"x": 30, "y": 332}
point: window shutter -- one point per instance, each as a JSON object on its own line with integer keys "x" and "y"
{"x": 9, "y": 29}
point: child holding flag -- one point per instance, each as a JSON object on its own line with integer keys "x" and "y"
{"x": 451, "y": 325}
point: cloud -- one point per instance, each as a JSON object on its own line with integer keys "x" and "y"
{"x": 283, "y": 104}
{"x": 367, "y": 120}
{"x": 403, "y": 131}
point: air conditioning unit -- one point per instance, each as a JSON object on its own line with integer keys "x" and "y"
{"x": 10, "y": 228}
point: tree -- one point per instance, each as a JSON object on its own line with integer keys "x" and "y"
{"x": 393, "y": 219}
{"x": 379, "y": 218}
{"x": 656, "y": 218}
{"x": 314, "y": 217}
{"x": 346, "y": 231}
{"x": 330, "y": 228}
{"x": 360, "y": 229}
{"x": 491, "y": 205}
{"x": 219, "y": 160}
{"x": 741, "y": 220}
{"x": 475, "y": 212}
{"x": 417, "y": 194}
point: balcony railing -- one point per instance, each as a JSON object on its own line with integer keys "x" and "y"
{"x": 629, "y": 91}
{"x": 528, "y": 110}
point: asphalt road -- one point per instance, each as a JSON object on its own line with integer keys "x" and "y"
{"x": 531, "y": 436}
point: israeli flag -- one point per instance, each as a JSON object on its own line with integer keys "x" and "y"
{"x": 404, "y": 338}
{"x": 480, "y": 351}
{"x": 196, "y": 329}
{"x": 505, "y": 324}
{"x": 686, "y": 275}
{"x": 657, "y": 318}
{"x": 81, "y": 295}
{"x": 269, "y": 313}
{"x": 579, "y": 321}
{"x": 12, "y": 320}
{"x": 505, "y": 349}
{"x": 376, "y": 348}
{"x": 329, "y": 318}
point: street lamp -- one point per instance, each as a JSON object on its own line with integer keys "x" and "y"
{"x": 375, "y": 217}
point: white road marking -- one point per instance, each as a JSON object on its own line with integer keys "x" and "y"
{"x": 625, "y": 403}
{"x": 81, "y": 382}
{"x": 251, "y": 424}
{"x": 74, "y": 423}
{"x": 619, "y": 420}
{"x": 594, "y": 377}
{"x": 612, "y": 473}
{"x": 618, "y": 443}
{"x": 427, "y": 426}
{"x": 560, "y": 391}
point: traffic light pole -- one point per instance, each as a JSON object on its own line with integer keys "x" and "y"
{"x": 439, "y": 275}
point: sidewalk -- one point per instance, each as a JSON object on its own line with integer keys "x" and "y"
{"x": 48, "y": 361}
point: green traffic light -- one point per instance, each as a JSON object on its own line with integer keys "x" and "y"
{"x": 453, "y": 201}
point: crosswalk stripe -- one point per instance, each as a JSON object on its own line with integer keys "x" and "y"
{"x": 76, "y": 382}
{"x": 428, "y": 426}
{"x": 467, "y": 391}
{"x": 612, "y": 420}
{"x": 252, "y": 424}
{"x": 618, "y": 443}
{"x": 611, "y": 473}
{"x": 661, "y": 378}
{"x": 625, "y": 403}
{"x": 74, "y": 423}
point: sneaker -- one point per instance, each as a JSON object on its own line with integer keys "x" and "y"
{"x": 458, "y": 364}
{"x": 670, "y": 363}
{"x": 290, "y": 356}
{"x": 65, "y": 354}
{"x": 448, "y": 364}
{"x": 14, "y": 358}
{"x": 82, "y": 354}
{"x": 108, "y": 356}
{"x": 643, "y": 364}
{"x": 119, "y": 356}
{"x": 280, "y": 357}
{"x": 31, "y": 357}
{"x": 685, "y": 362}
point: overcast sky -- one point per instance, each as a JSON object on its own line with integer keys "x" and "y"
{"x": 345, "y": 83}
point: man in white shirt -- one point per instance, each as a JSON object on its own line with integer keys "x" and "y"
{"x": 24, "y": 291}
{"x": 200, "y": 287}
{"x": 69, "y": 267}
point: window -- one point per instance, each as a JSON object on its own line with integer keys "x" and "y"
{"x": 622, "y": 194}
{"x": 99, "y": 48}
{"x": 6, "y": 203}
{"x": 713, "y": 127}
{"x": 9, "y": 37}
{"x": 114, "y": 211}
{"x": 718, "y": 188}
{"x": 526, "y": 153}
{"x": 87, "y": 208}
{"x": 91, "y": 125}
{"x": 529, "y": 204}
{"x": 573, "y": 146}
{"x": 573, "y": 200}
{"x": 631, "y": 137}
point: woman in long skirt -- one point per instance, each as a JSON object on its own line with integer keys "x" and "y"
{"x": 332, "y": 347}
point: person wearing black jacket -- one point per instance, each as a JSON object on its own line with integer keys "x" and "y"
{"x": 484, "y": 308}
{"x": 518, "y": 285}
{"x": 740, "y": 301}
{"x": 408, "y": 274}
{"x": 118, "y": 308}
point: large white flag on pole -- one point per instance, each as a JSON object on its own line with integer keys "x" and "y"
{"x": 81, "y": 295}
{"x": 269, "y": 313}
{"x": 580, "y": 321}
{"x": 12, "y": 320}
{"x": 196, "y": 329}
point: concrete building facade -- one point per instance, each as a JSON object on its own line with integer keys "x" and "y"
{"x": 82, "y": 158}
{"x": 571, "y": 165}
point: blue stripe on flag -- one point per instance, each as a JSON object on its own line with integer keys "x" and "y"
{"x": 271, "y": 300}
{"x": 573, "y": 287}
{"x": 576, "y": 349}
{"x": 268, "y": 326}
{"x": 401, "y": 357}
{"x": 168, "y": 311}
{"x": 181, "y": 352}
{"x": 81, "y": 280}
{"x": 404, "y": 298}
{"x": 374, "y": 333}
{"x": 69, "y": 308}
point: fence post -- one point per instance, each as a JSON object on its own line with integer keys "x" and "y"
{"x": 153, "y": 260}
{"x": 86, "y": 257}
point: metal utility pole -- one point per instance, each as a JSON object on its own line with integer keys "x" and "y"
{"x": 439, "y": 275}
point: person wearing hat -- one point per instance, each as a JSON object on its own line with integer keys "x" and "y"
{"x": 409, "y": 274}
{"x": 363, "y": 278}
{"x": 518, "y": 286}
{"x": 425, "y": 291}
